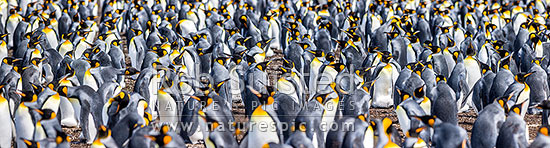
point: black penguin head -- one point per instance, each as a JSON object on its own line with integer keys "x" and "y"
{"x": 221, "y": 60}
{"x": 439, "y": 78}
{"x": 470, "y": 50}
{"x": 418, "y": 68}
{"x": 9, "y": 60}
{"x": 392, "y": 35}
{"x": 288, "y": 63}
{"x": 321, "y": 98}
{"x": 63, "y": 91}
{"x": 243, "y": 19}
{"x": 411, "y": 66}
{"x": 435, "y": 49}
{"x": 28, "y": 96}
{"x": 123, "y": 99}
{"x": 503, "y": 53}
{"x": 137, "y": 32}
{"x": 330, "y": 57}
{"x": 103, "y": 132}
{"x": 339, "y": 67}
{"x": 94, "y": 63}
{"x": 62, "y": 137}
{"x": 414, "y": 132}
{"x": 88, "y": 53}
{"x": 484, "y": 68}
{"x": 37, "y": 61}
{"x": 46, "y": 114}
{"x": 317, "y": 53}
{"x": 428, "y": 120}
{"x": 419, "y": 92}
{"x": 522, "y": 76}
{"x": 67, "y": 36}
{"x": 30, "y": 143}
{"x": 37, "y": 88}
{"x": 131, "y": 71}
{"x": 159, "y": 51}
{"x": 403, "y": 95}
{"x": 544, "y": 105}
{"x": 386, "y": 56}
{"x": 263, "y": 65}
{"x": 534, "y": 38}
{"x": 515, "y": 109}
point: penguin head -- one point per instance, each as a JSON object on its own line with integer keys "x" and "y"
{"x": 503, "y": 53}
{"x": 28, "y": 96}
{"x": 534, "y": 38}
{"x": 317, "y": 53}
{"x": 330, "y": 57}
{"x": 289, "y": 64}
{"x": 63, "y": 91}
{"x": 148, "y": 118}
{"x": 10, "y": 60}
{"x": 161, "y": 139}
{"x": 243, "y": 19}
{"x": 470, "y": 50}
{"x": 544, "y": 104}
{"x": 67, "y": 36}
{"x": 435, "y": 49}
{"x": 428, "y": 120}
{"x": 131, "y": 71}
{"x": 88, "y": 53}
{"x": 339, "y": 67}
{"x": 404, "y": 95}
{"x": 159, "y": 51}
{"x": 62, "y": 137}
{"x": 321, "y": 98}
{"x": 123, "y": 99}
{"x": 418, "y": 68}
{"x": 37, "y": 88}
{"x": 46, "y": 114}
{"x": 263, "y": 65}
{"x": 516, "y": 109}
{"x": 419, "y": 92}
{"x": 392, "y": 35}
{"x": 414, "y": 132}
{"x": 82, "y": 33}
{"x": 31, "y": 143}
{"x": 103, "y": 132}
{"x": 137, "y": 32}
{"x": 484, "y": 68}
{"x": 386, "y": 56}
{"x": 94, "y": 63}
{"x": 222, "y": 60}
{"x": 522, "y": 76}
{"x": 502, "y": 102}
{"x": 440, "y": 78}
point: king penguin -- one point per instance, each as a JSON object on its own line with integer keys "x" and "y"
{"x": 382, "y": 89}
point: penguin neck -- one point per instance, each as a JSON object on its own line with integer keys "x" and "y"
{"x": 526, "y": 87}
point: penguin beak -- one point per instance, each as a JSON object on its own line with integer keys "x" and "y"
{"x": 20, "y": 93}
{"x": 39, "y": 111}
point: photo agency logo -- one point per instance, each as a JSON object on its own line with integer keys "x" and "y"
{"x": 293, "y": 84}
{"x": 259, "y": 126}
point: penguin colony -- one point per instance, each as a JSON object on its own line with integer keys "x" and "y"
{"x": 63, "y": 65}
